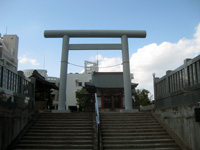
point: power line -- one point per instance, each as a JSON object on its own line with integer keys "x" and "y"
{"x": 111, "y": 66}
{"x": 98, "y": 67}
{"x": 75, "y": 65}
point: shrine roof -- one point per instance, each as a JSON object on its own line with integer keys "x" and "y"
{"x": 108, "y": 80}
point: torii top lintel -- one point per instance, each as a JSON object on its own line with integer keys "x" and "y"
{"x": 95, "y": 33}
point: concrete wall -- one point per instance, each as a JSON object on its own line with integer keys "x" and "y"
{"x": 182, "y": 121}
{"x": 73, "y": 85}
{"x": 12, "y": 121}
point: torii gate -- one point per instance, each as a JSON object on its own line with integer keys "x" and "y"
{"x": 67, "y": 34}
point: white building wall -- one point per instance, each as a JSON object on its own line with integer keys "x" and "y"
{"x": 75, "y": 82}
{"x": 9, "y": 50}
{"x": 55, "y": 92}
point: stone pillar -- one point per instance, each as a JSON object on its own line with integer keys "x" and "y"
{"x": 20, "y": 82}
{"x": 63, "y": 74}
{"x": 186, "y": 76}
{"x": 126, "y": 73}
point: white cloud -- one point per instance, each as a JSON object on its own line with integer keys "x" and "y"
{"x": 25, "y": 60}
{"x": 97, "y": 57}
{"x": 109, "y": 64}
{"x": 154, "y": 58}
{"x": 158, "y": 59}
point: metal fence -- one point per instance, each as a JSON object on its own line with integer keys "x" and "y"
{"x": 180, "y": 86}
{"x": 15, "y": 89}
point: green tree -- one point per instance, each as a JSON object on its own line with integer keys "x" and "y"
{"x": 81, "y": 97}
{"x": 144, "y": 96}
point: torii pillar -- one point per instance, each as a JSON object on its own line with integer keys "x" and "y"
{"x": 123, "y": 34}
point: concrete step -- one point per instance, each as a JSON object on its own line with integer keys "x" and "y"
{"x": 66, "y": 114}
{"x": 60, "y": 128}
{"x": 61, "y": 124}
{"x": 126, "y": 116}
{"x": 64, "y": 122}
{"x": 127, "y": 119}
{"x": 53, "y": 146}
{"x": 58, "y": 134}
{"x": 131, "y": 130}
{"x": 128, "y": 122}
{"x": 64, "y": 119}
{"x": 70, "y": 115}
{"x": 59, "y": 149}
{"x": 116, "y": 138}
{"x": 60, "y": 142}
{"x": 133, "y": 146}
{"x": 60, "y": 131}
{"x": 130, "y": 127}
{"x": 124, "y": 113}
{"x": 163, "y": 148}
{"x": 144, "y": 141}
{"x": 134, "y": 131}
{"x": 54, "y": 138}
{"x": 134, "y": 134}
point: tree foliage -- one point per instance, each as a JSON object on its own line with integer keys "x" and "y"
{"x": 145, "y": 97}
{"x": 81, "y": 97}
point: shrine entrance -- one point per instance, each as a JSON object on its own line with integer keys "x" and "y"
{"x": 67, "y": 34}
{"x": 112, "y": 102}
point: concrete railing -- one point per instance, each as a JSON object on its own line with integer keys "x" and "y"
{"x": 183, "y": 80}
{"x": 15, "y": 89}
{"x": 16, "y": 103}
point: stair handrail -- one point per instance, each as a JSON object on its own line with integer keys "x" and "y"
{"x": 97, "y": 119}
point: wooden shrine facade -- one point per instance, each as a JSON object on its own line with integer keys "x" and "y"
{"x": 109, "y": 89}
{"x": 43, "y": 91}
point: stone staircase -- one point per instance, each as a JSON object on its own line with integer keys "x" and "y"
{"x": 138, "y": 131}
{"x": 60, "y": 131}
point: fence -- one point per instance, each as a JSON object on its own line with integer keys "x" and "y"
{"x": 179, "y": 87}
{"x": 15, "y": 89}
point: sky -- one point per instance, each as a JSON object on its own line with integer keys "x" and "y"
{"x": 172, "y": 26}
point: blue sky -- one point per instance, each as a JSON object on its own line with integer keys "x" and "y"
{"x": 166, "y": 21}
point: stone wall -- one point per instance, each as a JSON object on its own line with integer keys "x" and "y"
{"x": 12, "y": 121}
{"x": 182, "y": 121}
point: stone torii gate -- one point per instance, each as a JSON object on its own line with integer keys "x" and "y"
{"x": 67, "y": 34}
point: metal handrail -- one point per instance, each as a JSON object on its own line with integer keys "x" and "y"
{"x": 97, "y": 120}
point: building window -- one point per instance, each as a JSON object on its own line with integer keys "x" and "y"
{"x": 79, "y": 83}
